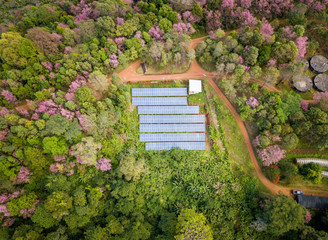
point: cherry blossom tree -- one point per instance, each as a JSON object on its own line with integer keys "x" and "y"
{"x": 271, "y": 154}
{"x": 9, "y": 96}
{"x": 156, "y": 32}
{"x": 304, "y": 105}
{"x": 252, "y": 102}
{"x": 103, "y": 164}
{"x": 301, "y": 46}
{"x": 266, "y": 29}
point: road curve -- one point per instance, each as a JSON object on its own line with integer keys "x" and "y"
{"x": 197, "y": 72}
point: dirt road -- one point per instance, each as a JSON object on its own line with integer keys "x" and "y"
{"x": 197, "y": 72}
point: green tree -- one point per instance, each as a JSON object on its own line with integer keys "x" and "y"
{"x": 311, "y": 171}
{"x": 98, "y": 81}
{"x": 250, "y": 56}
{"x": 132, "y": 168}
{"x": 58, "y": 204}
{"x": 43, "y": 218}
{"x": 54, "y": 145}
{"x": 165, "y": 24}
{"x": 192, "y": 225}
{"x": 84, "y": 94}
{"x": 290, "y": 141}
{"x": 284, "y": 214}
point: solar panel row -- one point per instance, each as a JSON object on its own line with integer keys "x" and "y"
{"x": 172, "y": 128}
{"x": 171, "y": 145}
{"x": 177, "y": 137}
{"x": 172, "y": 118}
{"x": 156, "y": 92}
{"x": 168, "y": 110}
{"x": 159, "y": 101}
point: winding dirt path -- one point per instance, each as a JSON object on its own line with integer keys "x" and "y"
{"x": 130, "y": 75}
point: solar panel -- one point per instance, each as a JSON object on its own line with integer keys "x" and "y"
{"x": 156, "y": 92}
{"x": 171, "y": 145}
{"x": 168, "y": 110}
{"x": 172, "y": 127}
{"x": 172, "y": 118}
{"x": 167, "y": 137}
{"x": 159, "y": 101}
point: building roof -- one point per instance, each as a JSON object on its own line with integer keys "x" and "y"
{"x": 319, "y": 63}
{"x": 312, "y": 201}
{"x": 321, "y": 82}
{"x": 195, "y": 86}
{"x": 306, "y": 63}
{"x": 302, "y": 83}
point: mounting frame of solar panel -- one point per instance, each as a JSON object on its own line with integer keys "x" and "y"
{"x": 157, "y": 92}
{"x": 171, "y": 128}
{"x": 168, "y": 110}
{"x": 159, "y": 101}
{"x": 171, "y": 118}
{"x": 170, "y": 145}
{"x": 170, "y": 137}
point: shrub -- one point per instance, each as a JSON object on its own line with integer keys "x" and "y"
{"x": 273, "y": 173}
{"x": 288, "y": 169}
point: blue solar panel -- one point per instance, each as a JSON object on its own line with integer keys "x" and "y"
{"x": 172, "y": 128}
{"x": 159, "y": 101}
{"x": 171, "y": 145}
{"x": 172, "y": 118}
{"x": 167, "y": 137}
{"x": 156, "y": 92}
{"x": 168, "y": 110}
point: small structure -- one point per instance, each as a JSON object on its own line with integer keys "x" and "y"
{"x": 321, "y": 82}
{"x": 312, "y": 201}
{"x": 319, "y": 64}
{"x": 322, "y": 162}
{"x": 302, "y": 83}
{"x": 306, "y": 64}
{"x": 144, "y": 68}
{"x": 195, "y": 86}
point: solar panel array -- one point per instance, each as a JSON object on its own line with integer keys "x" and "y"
{"x": 157, "y": 92}
{"x": 169, "y": 137}
{"x": 161, "y": 129}
{"x": 172, "y": 128}
{"x": 168, "y": 110}
{"x": 170, "y": 145}
{"x": 171, "y": 118}
{"x": 159, "y": 101}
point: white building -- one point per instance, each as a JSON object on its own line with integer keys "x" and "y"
{"x": 195, "y": 86}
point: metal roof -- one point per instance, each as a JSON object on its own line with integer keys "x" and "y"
{"x": 172, "y": 128}
{"x": 159, "y": 101}
{"x": 171, "y": 145}
{"x": 168, "y": 110}
{"x": 156, "y": 92}
{"x": 177, "y": 137}
{"x": 172, "y": 118}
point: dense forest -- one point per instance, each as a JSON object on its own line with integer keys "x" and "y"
{"x": 71, "y": 164}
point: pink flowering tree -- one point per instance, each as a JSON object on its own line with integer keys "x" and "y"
{"x": 252, "y": 102}
{"x": 304, "y": 105}
{"x": 183, "y": 28}
{"x": 271, "y": 155}
{"x": 47, "y": 65}
{"x": 9, "y": 96}
{"x": 266, "y": 29}
{"x": 301, "y": 46}
{"x": 23, "y": 175}
{"x": 213, "y": 20}
{"x": 84, "y": 11}
{"x": 308, "y": 216}
{"x": 228, "y": 4}
{"x": 156, "y": 32}
{"x": 113, "y": 61}
{"x": 103, "y": 164}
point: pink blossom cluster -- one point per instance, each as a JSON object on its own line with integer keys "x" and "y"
{"x": 272, "y": 62}
{"x": 202, "y": 2}
{"x": 184, "y": 28}
{"x": 256, "y": 141}
{"x": 246, "y": 3}
{"x": 35, "y": 116}
{"x": 23, "y": 175}
{"x": 247, "y": 68}
{"x": 104, "y": 164}
{"x": 240, "y": 16}
{"x": 301, "y": 46}
{"x": 57, "y": 65}
{"x": 51, "y": 9}
{"x": 84, "y": 121}
{"x": 252, "y": 102}
{"x": 156, "y": 32}
{"x": 308, "y": 216}
{"x": 271, "y": 154}
{"x": 3, "y": 134}
{"x": 139, "y": 35}
{"x": 8, "y": 222}
{"x": 67, "y": 168}
{"x": 315, "y": 6}
{"x": 266, "y": 29}
{"x": 47, "y": 65}
{"x": 4, "y": 210}
{"x": 4, "y": 198}
{"x": 60, "y": 158}
{"x": 52, "y": 75}
{"x": 270, "y": 8}
{"x": 67, "y": 114}
{"x": 113, "y": 60}
{"x": 228, "y": 4}
{"x": 62, "y": 25}
{"x": 189, "y": 17}
{"x": 241, "y": 60}
{"x": 119, "y": 21}
{"x": 120, "y": 42}
{"x": 9, "y": 96}
{"x": 4, "y": 111}
{"x": 304, "y": 105}
{"x": 128, "y": 1}
{"x": 77, "y": 83}
{"x": 5, "y": 83}
{"x": 213, "y": 20}
{"x": 68, "y": 49}
{"x": 83, "y": 11}
{"x": 47, "y": 106}
{"x": 23, "y": 112}
{"x": 57, "y": 36}
{"x": 289, "y": 33}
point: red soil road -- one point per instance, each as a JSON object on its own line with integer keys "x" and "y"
{"x": 197, "y": 72}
